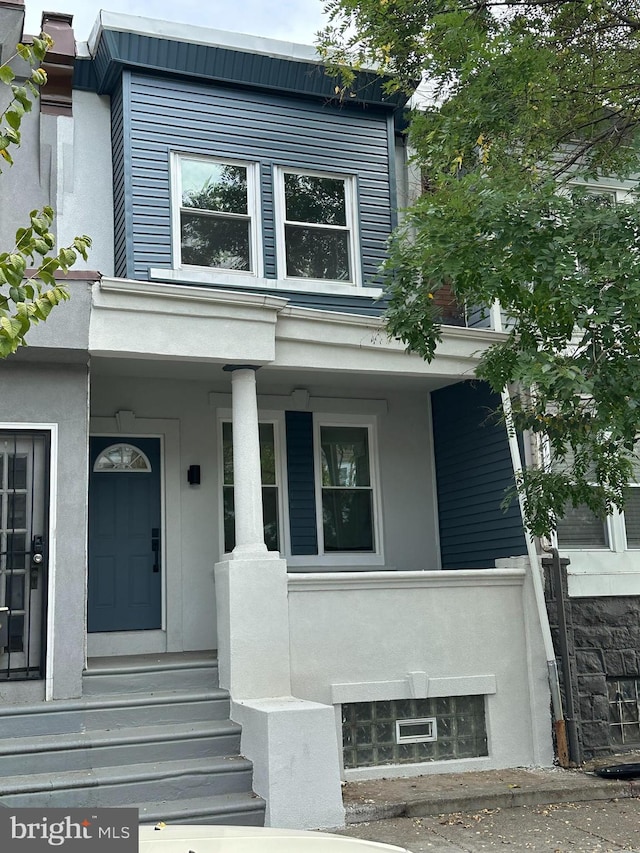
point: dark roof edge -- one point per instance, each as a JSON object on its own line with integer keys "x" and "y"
{"x": 114, "y": 50}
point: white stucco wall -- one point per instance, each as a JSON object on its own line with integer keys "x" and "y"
{"x": 357, "y": 638}
{"x": 25, "y": 185}
{"x": 65, "y": 162}
{"x": 81, "y": 159}
{"x": 408, "y": 483}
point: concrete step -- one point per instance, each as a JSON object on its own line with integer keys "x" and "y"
{"x": 119, "y": 786}
{"x": 235, "y": 809}
{"x": 118, "y": 747}
{"x": 150, "y": 673}
{"x": 148, "y": 730}
{"x": 113, "y": 712}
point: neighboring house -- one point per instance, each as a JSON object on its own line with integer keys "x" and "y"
{"x": 215, "y": 446}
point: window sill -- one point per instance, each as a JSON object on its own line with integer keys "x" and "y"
{"x": 344, "y": 561}
{"x": 245, "y": 280}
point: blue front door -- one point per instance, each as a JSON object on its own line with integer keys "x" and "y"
{"x": 124, "y": 535}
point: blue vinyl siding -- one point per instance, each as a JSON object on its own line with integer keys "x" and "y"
{"x": 187, "y": 116}
{"x": 473, "y": 470}
{"x": 120, "y": 201}
{"x": 301, "y": 483}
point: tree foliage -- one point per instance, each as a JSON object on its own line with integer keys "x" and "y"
{"x": 531, "y": 109}
{"x": 24, "y": 301}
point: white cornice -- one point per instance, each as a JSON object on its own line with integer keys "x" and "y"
{"x": 192, "y": 293}
{"x": 376, "y": 324}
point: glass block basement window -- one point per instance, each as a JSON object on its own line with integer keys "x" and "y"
{"x": 370, "y": 735}
{"x": 624, "y": 711}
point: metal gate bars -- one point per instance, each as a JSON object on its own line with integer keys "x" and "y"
{"x": 24, "y": 526}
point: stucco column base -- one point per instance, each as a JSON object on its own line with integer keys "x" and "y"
{"x": 253, "y": 628}
{"x": 294, "y": 748}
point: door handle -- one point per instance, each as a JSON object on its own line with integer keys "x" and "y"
{"x": 37, "y": 559}
{"x": 155, "y": 547}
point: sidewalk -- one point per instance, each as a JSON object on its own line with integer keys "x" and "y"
{"x": 420, "y": 796}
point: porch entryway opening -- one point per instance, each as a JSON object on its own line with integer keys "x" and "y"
{"x": 125, "y": 588}
{"x": 24, "y": 552}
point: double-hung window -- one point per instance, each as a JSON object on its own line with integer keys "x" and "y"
{"x": 346, "y": 494}
{"x": 270, "y": 486}
{"x": 217, "y": 224}
{"x": 317, "y": 227}
{"x": 580, "y": 529}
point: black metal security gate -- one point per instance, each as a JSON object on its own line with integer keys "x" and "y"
{"x": 24, "y": 526}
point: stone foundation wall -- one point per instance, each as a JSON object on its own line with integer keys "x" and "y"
{"x": 603, "y": 637}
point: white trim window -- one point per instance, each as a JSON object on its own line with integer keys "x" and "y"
{"x": 631, "y": 515}
{"x": 346, "y": 488}
{"x": 317, "y": 226}
{"x": 271, "y": 485}
{"x": 582, "y": 530}
{"x": 215, "y": 214}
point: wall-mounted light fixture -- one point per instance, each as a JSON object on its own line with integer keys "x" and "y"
{"x": 193, "y": 475}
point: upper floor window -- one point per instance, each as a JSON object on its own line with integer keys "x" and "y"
{"x": 217, "y": 222}
{"x": 316, "y": 234}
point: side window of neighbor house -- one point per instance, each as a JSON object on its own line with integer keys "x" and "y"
{"x": 346, "y": 489}
{"x": 217, "y": 224}
{"x": 581, "y": 529}
{"x": 632, "y": 509}
{"x": 269, "y": 469}
{"x": 317, "y": 226}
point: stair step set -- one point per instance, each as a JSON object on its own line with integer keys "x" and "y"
{"x": 151, "y": 733}
{"x": 157, "y": 675}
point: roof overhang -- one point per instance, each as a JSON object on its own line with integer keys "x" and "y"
{"x": 120, "y": 42}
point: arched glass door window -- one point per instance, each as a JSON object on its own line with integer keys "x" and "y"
{"x": 122, "y": 457}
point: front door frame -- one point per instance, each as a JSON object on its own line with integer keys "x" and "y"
{"x": 170, "y": 637}
{"x": 48, "y": 603}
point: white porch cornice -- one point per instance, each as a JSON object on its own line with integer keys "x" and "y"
{"x": 315, "y": 581}
{"x": 192, "y": 293}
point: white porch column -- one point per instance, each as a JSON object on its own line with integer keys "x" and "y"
{"x": 247, "y": 479}
{"x": 292, "y": 742}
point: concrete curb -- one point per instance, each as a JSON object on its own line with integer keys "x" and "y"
{"x": 588, "y": 788}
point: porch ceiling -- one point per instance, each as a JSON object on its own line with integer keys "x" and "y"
{"x": 270, "y": 379}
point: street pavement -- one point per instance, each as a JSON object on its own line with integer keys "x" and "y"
{"x": 584, "y": 827}
{"x": 546, "y": 809}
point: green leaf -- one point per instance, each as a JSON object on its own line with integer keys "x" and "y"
{"x": 22, "y": 97}
{"x": 24, "y": 51}
{"x": 7, "y": 74}
{"x": 11, "y": 327}
{"x": 14, "y": 116}
{"x": 39, "y": 76}
{"x": 67, "y": 257}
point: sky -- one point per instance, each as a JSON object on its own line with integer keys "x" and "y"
{"x": 290, "y": 20}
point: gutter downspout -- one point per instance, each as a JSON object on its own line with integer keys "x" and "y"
{"x": 543, "y": 616}
{"x": 557, "y": 564}
{"x": 532, "y": 554}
